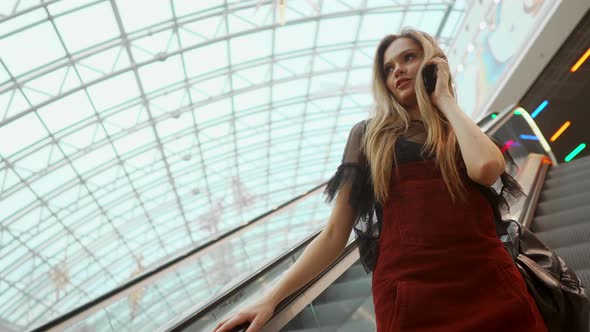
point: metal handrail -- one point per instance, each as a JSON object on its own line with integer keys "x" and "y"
{"x": 530, "y": 205}
{"x": 95, "y": 303}
{"x": 185, "y": 322}
{"x": 206, "y": 309}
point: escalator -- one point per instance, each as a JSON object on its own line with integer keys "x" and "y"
{"x": 562, "y": 216}
{"x": 346, "y": 305}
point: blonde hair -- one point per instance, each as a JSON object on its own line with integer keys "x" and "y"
{"x": 391, "y": 120}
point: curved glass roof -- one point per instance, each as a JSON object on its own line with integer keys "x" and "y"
{"x": 133, "y": 131}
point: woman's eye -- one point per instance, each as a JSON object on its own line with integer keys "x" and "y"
{"x": 410, "y": 57}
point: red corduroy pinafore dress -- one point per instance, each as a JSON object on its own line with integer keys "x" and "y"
{"x": 441, "y": 266}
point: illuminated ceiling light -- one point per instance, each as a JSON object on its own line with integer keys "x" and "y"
{"x": 540, "y": 108}
{"x": 575, "y": 152}
{"x": 483, "y": 25}
{"x": 460, "y": 68}
{"x": 282, "y": 4}
{"x": 580, "y": 61}
{"x": 529, "y": 137}
{"x": 560, "y": 131}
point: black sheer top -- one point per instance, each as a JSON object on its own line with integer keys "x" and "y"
{"x": 355, "y": 170}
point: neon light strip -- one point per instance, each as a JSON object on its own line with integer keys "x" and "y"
{"x": 539, "y": 109}
{"x": 537, "y": 133}
{"x": 531, "y": 137}
{"x": 507, "y": 145}
{"x": 560, "y": 131}
{"x": 580, "y": 61}
{"x": 575, "y": 152}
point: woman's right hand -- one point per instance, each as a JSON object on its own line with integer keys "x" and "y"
{"x": 257, "y": 315}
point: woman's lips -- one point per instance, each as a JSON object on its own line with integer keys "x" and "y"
{"x": 403, "y": 84}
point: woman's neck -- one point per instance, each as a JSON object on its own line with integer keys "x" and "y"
{"x": 414, "y": 113}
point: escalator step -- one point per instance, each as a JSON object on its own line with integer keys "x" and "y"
{"x": 349, "y": 289}
{"x": 576, "y": 256}
{"x": 565, "y": 236}
{"x": 563, "y": 179}
{"x": 542, "y": 223}
{"x": 356, "y": 271}
{"x": 358, "y": 325}
{"x": 564, "y": 190}
{"x": 303, "y": 321}
{"x": 563, "y": 204}
{"x": 336, "y": 312}
{"x": 584, "y": 275}
{"x": 571, "y": 167}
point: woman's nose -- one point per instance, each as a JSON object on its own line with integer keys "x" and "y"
{"x": 398, "y": 71}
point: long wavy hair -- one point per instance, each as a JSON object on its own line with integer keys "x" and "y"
{"x": 390, "y": 120}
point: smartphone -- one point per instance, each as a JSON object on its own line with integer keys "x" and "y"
{"x": 429, "y": 76}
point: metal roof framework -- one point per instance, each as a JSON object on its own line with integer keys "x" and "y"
{"x": 126, "y": 139}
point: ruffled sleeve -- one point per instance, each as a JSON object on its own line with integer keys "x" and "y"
{"x": 355, "y": 170}
{"x": 505, "y": 190}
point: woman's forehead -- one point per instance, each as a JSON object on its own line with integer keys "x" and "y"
{"x": 399, "y": 46}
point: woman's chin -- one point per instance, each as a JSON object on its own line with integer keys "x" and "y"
{"x": 407, "y": 100}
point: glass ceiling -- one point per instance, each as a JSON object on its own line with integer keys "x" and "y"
{"x": 133, "y": 131}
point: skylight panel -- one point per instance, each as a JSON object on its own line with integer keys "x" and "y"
{"x": 256, "y": 97}
{"x": 114, "y": 91}
{"x": 250, "y": 47}
{"x": 93, "y": 159}
{"x": 87, "y": 27}
{"x": 53, "y": 180}
{"x": 30, "y": 49}
{"x": 213, "y": 112}
{"x": 152, "y": 12}
{"x": 431, "y": 21}
{"x": 66, "y": 111}
{"x": 134, "y": 140}
{"x": 295, "y": 37}
{"x": 337, "y": 30}
{"x": 206, "y": 59}
{"x": 173, "y": 125}
{"x": 18, "y": 135}
{"x": 159, "y": 74}
{"x": 290, "y": 89}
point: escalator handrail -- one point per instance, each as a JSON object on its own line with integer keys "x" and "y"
{"x": 95, "y": 303}
{"x": 534, "y": 193}
{"x": 186, "y": 321}
{"x": 214, "y": 303}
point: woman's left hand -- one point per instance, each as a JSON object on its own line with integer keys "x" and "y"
{"x": 442, "y": 91}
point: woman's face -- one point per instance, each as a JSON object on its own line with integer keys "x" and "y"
{"x": 401, "y": 62}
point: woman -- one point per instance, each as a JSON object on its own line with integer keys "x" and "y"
{"x": 424, "y": 169}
